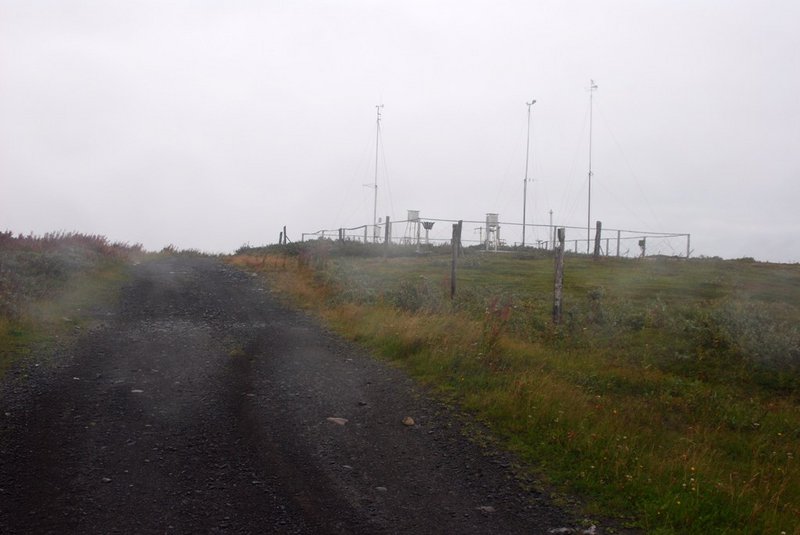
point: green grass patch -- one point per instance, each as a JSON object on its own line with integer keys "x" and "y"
{"x": 16, "y": 340}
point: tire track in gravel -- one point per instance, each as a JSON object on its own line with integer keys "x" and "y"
{"x": 202, "y": 405}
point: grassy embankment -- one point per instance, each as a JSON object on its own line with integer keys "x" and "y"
{"x": 48, "y": 285}
{"x": 668, "y": 395}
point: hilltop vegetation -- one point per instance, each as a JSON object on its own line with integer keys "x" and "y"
{"x": 46, "y": 284}
{"x": 668, "y": 394}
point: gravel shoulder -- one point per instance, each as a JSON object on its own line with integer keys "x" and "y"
{"x": 201, "y": 404}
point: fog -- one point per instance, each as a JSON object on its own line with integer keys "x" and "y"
{"x": 209, "y": 125}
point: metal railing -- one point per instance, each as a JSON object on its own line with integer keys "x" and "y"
{"x": 611, "y": 242}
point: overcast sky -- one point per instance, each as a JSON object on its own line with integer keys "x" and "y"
{"x": 210, "y": 124}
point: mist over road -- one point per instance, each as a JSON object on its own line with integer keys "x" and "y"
{"x": 199, "y": 404}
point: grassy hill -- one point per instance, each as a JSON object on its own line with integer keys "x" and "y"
{"x": 48, "y": 285}
{"x": 668, "y": 395}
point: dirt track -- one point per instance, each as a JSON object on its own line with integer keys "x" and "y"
{"x": 201, "y": 405}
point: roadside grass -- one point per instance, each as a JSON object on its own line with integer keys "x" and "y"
{"x": 49, "y": 286}
{"x": 667, "y": 397}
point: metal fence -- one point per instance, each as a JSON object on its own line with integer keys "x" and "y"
{"x": 435, "y": 231}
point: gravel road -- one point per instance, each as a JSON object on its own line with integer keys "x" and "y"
{"x": 199, "y": 404}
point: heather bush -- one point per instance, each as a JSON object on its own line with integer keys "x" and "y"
{"x": 38, "y": 267}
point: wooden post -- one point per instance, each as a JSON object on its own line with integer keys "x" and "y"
{"x": 285, "y": 237}
{"x": 280, "y": 238}
{"x": 387, "y": 237}
{"x": 365, "y": 233}
{"x": 688, "y": 243}
{"x": 619, "y": 237}
{"x": 454, "y": 243}
{"x": 597, "y": 234}
{"x": 559, "y": 279}
{"x": 460, "y": 248}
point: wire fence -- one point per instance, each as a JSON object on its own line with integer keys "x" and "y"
{"x": 494, "y": 236}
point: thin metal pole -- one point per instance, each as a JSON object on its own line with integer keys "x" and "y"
{"x": 525, "y": 181}
{"x": 592, "y": 88}
{"x": 375, "y": 201}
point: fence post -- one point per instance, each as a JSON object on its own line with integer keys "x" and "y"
{"x": 460, "y": 248}
{"x": 280, "y": 238}
{"x": 619, "y": 237}
{"x": 387, "y": 237}
{"x": 597, "y": 234}
{"x": 455, "y": 242}
{"x": 559, "y": 279}
{"x": 688, "y": 242}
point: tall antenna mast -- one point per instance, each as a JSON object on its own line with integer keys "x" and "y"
{"x": 592, "y": 89}
{"x": 375, "y": 186}
{"x": 525, "y": 180}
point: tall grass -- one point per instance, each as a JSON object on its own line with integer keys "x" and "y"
{"x": 668, "y": 396}
{"x": 46, "y": 281}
